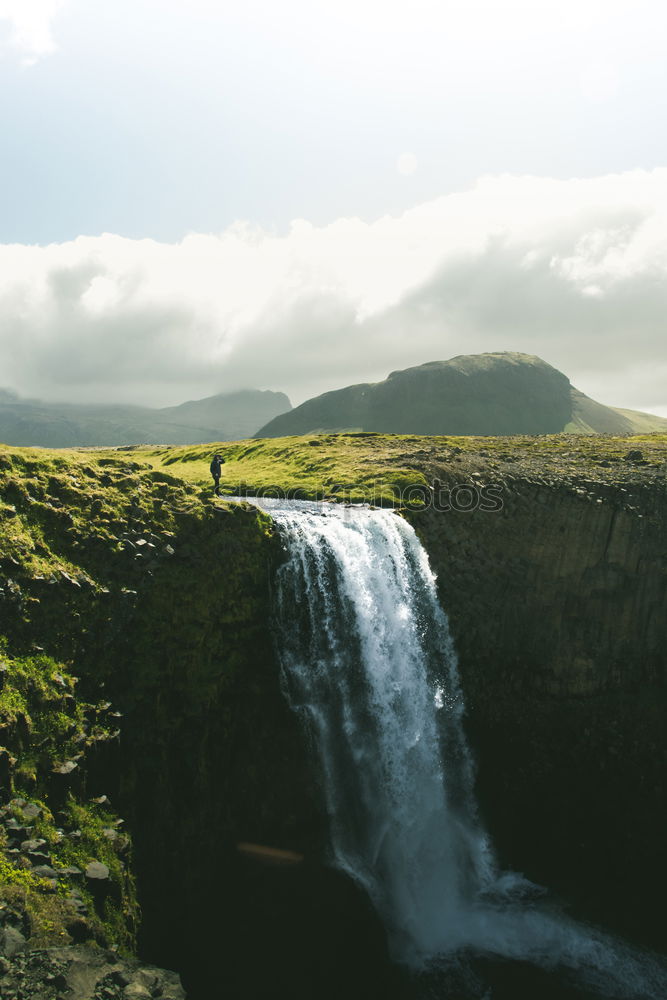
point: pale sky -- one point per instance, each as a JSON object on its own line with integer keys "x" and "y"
{"x": 301, "y": 195}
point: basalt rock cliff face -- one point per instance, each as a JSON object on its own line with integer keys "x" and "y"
{"x": 558, "y": 606}
{"x": 160, "y": 602}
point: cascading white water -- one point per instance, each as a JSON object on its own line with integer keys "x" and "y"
{"x": 368, "y": 658}
{"x": 368, "y": 661}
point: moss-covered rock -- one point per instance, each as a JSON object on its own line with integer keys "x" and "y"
{"x": 52, "y": 830}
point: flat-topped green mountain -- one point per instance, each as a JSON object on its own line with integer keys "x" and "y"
{"x": 503, "y": 393}
{"x": 224, "y": 417}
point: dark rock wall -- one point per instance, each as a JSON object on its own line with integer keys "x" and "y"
{"x": 558, "y": 606}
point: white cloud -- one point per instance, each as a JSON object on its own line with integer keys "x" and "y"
{"x": 575, "y": 271}
{"x": 30, "y": 23}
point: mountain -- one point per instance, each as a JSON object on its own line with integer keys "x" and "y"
{"x": 503, "y": 393}
{"x": 225, "y": 417}
{"x": 643, "y": 423}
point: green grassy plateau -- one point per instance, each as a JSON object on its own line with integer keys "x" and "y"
{"x": 379, "y": 468}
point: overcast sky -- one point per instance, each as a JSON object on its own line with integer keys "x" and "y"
{"x": 204, "y": 196}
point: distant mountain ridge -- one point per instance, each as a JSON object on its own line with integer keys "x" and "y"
{"x": 224, "y": 417}
{"x": 478, "y": 394}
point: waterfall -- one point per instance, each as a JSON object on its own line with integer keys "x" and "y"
{"x": 368, "y": 662}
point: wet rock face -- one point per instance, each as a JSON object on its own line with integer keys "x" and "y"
{"x": 563, "y": 591}
{"x": 558, "y": 605}
{"x": 84, "y": 973}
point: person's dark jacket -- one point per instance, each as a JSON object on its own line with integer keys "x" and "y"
{"x": 216, "y": 467}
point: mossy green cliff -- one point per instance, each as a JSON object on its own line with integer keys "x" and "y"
{"x": 159, "y": 603}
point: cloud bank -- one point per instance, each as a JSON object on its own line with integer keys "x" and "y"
{"x": 29, "y": 23}
{"x": 574, "y": 271}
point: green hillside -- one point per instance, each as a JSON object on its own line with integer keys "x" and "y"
{"x": 224, "y": 417}
{"x": 485, "y": 394}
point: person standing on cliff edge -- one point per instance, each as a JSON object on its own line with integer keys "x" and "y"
{"x": 216, "y": 470}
